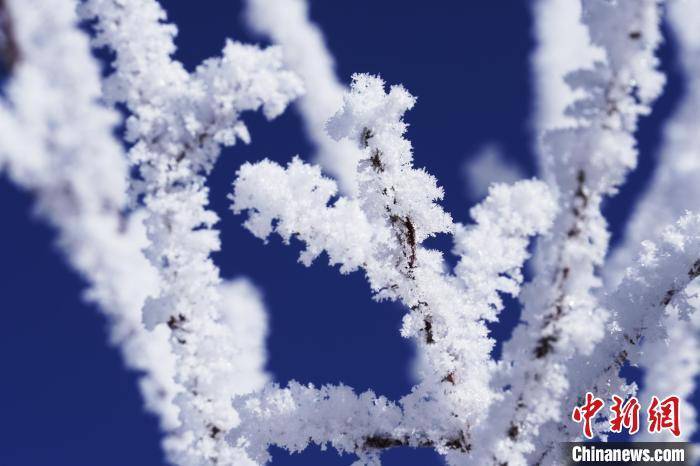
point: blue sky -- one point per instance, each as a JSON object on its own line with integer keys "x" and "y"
{"x": 65, "y": 398}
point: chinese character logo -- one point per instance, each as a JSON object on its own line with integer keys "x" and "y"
{"x": 625, "y": 415}
{"x": 587, "y": 412}
{"x": 664, "y": 415}
{"x": 661, "y": 414}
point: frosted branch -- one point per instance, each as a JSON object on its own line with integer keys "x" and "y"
{"x": 53, "y": 127}
{"x": 9, "y": 50}
{"x": 298, "y": 415}
{"x": 382, "y": 231}
{"x": 178, "y": 123}
{"x": 584, "y": 164}
{"x": 287, "y": 23}
{"x": 672, "y": 191}
{"x": 563, "y": 47}
{"x": 638, "y": 307}
{"x": 671, "y": 365}
{"x": 139, "y": 228}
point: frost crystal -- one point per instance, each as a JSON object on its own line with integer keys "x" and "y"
{"x": 53, "y": 128}
{"x": 178, "y": 122}
{"x": 381, "y": 231}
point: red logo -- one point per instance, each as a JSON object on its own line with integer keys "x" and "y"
{"x": 664, "y": 415}
{"x": 661, "y": 414}
{"x": 625, "y": 415}
{"x": 587, "y": 412}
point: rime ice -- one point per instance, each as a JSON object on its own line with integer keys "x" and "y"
{"x": 138, "y": 226}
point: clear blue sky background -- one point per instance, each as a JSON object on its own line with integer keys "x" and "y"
{"x": 65, "y": 399}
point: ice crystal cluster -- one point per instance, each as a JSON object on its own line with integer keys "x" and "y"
{"x": 132, "y": 217}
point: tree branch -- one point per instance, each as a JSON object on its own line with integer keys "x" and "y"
{"x": 384, "y": 442}
{"x": 9, "y": 50}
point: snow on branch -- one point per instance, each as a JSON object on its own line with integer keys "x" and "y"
{"x": 512, "y": 215}
{"x": 9, "y": 50}
{"x": 243, "y": 312}
{"x": 663, "y": 271}
{"x": 139, "y": 228}
{"x": 671, "y": 366}
{"x": 177, "y": 125}
{"x": 584, "y": 164}
{"x": 382, "y": 231}
{"x": 673, "y": 186}
{"x": 563, "y": 46}
{"x": 58, "y": 143}
{"x": 652, "y": 290}
{"x": 294, "y": 201}
{"x": 298, "y": 415}
{"x": 673, "y": 190}
{"x": 287, "y": 24}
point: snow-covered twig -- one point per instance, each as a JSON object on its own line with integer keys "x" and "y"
{"x": 199, "y": 340}
{"x": 178, "y": 123}
{"x": 288, "y": 24}
{"x": 382, "y": 231}
{"x": 584, "y": 163}
{"x": 638, "y": 306}
{"x": 9, "y": 50}
{"x": 563, "y": 47}
{"x": 671, "y": 364}
{"x": 57, "y": 142}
